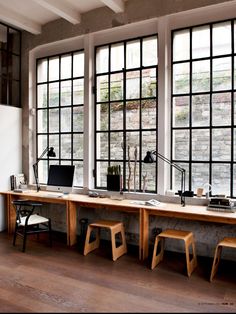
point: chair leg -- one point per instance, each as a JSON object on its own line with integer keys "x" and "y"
{"x": 50, "y": 232}
{"x": 191, "y": 264}
{"x": 14, "y": 236}
{"x": 24, "y": 240}
{"x": 90, "y": 246}
{"x": 122, "y": 249}
{"x": 216, "y": 261}
{"x": 156, "y": 259}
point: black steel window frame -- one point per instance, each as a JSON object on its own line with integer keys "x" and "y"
{"x": 58, "y": 159}
{"x": 211, "y": 127}
{"x": 140, "y": 130}
{"x": 8, "y": 88}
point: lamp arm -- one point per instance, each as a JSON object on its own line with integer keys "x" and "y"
{"x": 182, "y": 170}
{"x": 35, "y": 167}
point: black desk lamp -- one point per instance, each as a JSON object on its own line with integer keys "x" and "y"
{"x": 149, "y": 158}
{"x": 50, "y": 153}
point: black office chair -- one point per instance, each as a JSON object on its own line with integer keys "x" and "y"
{"x": 28, "y": 223}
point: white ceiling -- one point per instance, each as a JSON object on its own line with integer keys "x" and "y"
{"x": 31, "y": 15}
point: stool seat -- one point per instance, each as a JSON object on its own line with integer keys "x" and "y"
{"x": 186, "y": 236}
{"x": 115, "y": 227}
{"x": 228, "y": 242}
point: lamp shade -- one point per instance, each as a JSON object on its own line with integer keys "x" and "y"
{"x": 51, "y": 152}
{"x": 149, "y": 158}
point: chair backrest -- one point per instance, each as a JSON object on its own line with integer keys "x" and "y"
{"x": 24, "y": 208}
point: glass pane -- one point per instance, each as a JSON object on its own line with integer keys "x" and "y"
{"x": 234, "y": 148}
{"x": 200, "y": 144}
{"x": 132, "y": 114}
{"x": 132, "y": 140}
{"x": 3, "y": 62}
{"x": 14, "y": 93}
{"x": 101, "y": 178}
{"x": 43, "y": 172}
{"x": 54, "y": 120}
{"x": 102, "y": 88}
{"x": 54, "y": 142}
{"x": 102, "y": 146}
{"x": 150, "y": 51}
{"x": 53, "y": 68}
{"x": 78, "y": 91}
{"x": 78, "y": 146}
{"x": 78, "y": 64}
{"x": 102, "y": 117}
{"x": 13, "y": 40}
{"x": 181, "y": 45}
{"x": 149, "y": 175}
{"x": 102, "y": 59}
{"x": 65, "y": 119}
{"x": 66, "y": 93}
{"x": 66, "y": 62}
{"x": 234, "y": 109}
{"x": 201, "y": 42}
{"x": 149, "y": 114}
{"x": 78, "y": 175}
{"x": 221, "y": 73}
{"x": 42, "y": 143}
{"x": 149, "y": 142}
{"x": 116, "y": 116}
{"x": 66, "y": 146}
{"x": 3, "y": 90}
{"x": 221, "y": 109}
{"x": 133, "y": 85}
{"x": 117, "y": 57}
{"x": 116, "y": 86}
{"x": 42, "y": 121}
{"x": 181, "y": 144}
{"x": 221, "y": 179}
{"x": 3, "y": 39}
{"x": 234, "y": 180}
{"x": 14, "y": 67}
{"x": 78, "y": 119}
{"x": 133, "y": 54}
{"x": 201, "y": 110}
{"x": 116, "y": 140}
{"x": 181, "y": 111}
{"x": 54, "y": 95}
{"x": 221, "y": 144}
{"x": 200, "y": 176}
{"x": 181, "y": 78}
{"x": 201, "y": 76}
{"x": 149, "y": 81}
{"x": 42, "y": 69}
{"x": 221, "y": 38}
{"x": 42, "y": 95}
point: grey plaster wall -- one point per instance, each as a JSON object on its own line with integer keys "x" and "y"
{"x": 207, "y": 235}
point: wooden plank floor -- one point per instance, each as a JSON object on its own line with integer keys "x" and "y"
{"x": 61, "y": 279}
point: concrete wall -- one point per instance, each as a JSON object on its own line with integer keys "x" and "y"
{"x": 104, "y": 19}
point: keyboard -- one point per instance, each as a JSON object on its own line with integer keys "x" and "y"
{"x": 53, "y": 195}
{"x": 224, "y": 209}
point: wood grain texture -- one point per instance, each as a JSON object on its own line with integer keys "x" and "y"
{"x": 60, "y": 279}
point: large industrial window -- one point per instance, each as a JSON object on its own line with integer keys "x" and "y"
{"x": 10, "y": 65}
{"x": 126, "y": 111}
{"x": 60, "y": 111}
{"x": 203, "y": 106}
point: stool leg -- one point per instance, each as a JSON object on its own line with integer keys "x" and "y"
{"x": 90, "y": 246}
{"x": 156, "y": 259}
{"x": 193, "y": 263}
{"x": 122, "y": 249}
{"x": 216, "y": 261}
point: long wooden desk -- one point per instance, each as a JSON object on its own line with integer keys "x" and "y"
{"x": 72, "y": 202}
{"x": 190, "y": 212}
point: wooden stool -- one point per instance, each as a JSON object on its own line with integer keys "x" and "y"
{"x": 115, "y": 227}
{"x": 226, "y": 242}
{"x": 188, "y": 239}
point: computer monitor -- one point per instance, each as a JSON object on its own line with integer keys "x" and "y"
{"x": 60, "y": 178}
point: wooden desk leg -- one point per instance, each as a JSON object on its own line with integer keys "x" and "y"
{"x": 71, "y": 217}
{"x": 141, "y": 234}
{"x": 145, "y": 233}
{"x": 11, "y": 214}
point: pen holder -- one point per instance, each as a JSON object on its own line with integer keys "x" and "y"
{"x": 114, "y": 182}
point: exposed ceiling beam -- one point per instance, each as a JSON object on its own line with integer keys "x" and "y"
{"x": 19, "y": 21}
{"x": 117, "y": 6}
{"x": 62, "y": 9}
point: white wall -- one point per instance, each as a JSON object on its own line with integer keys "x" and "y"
{"x": 11, "y": 151}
